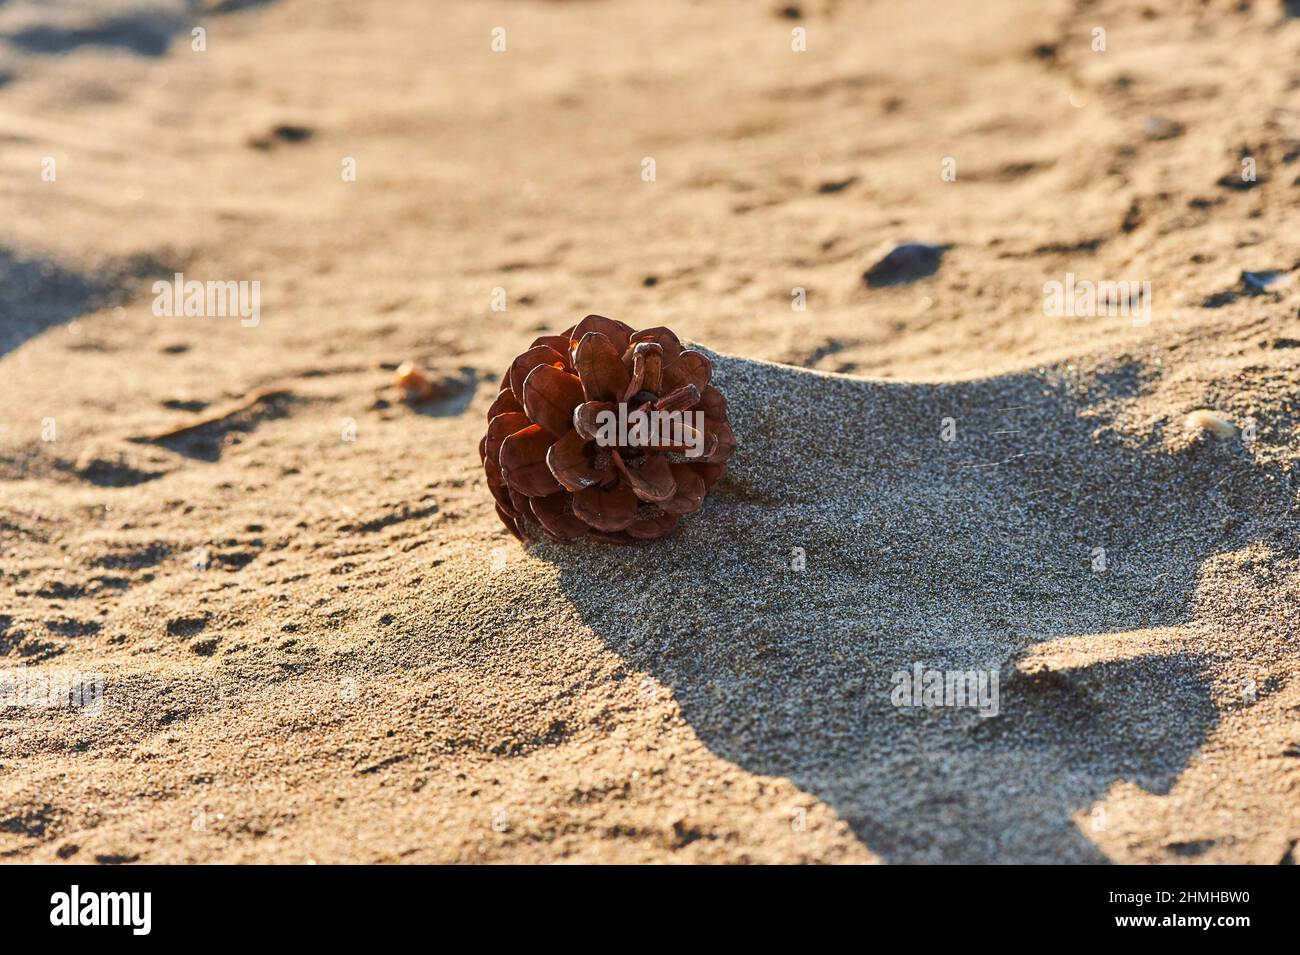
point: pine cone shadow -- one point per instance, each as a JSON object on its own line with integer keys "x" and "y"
{"x": 851, "y": 541}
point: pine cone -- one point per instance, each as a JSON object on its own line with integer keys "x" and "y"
{"x": 556, "y": 456}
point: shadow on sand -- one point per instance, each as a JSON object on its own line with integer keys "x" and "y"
{"x": 148, "y": 31}
{"x": 958, "y": 555}
{"x": 37, "y": 294}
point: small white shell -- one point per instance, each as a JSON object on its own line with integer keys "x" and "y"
{"x": 1205, "y": 420}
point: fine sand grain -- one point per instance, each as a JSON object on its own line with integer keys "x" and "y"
{"x": 317, "y": 641}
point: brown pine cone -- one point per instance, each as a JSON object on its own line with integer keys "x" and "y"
{"x": 601, "y": 430}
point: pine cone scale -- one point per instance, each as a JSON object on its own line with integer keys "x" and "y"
{"x": 653, "y": 481}
{"x": 606, "y": 509}
{"x": 600, "y": 366}
{"x": 665, "y": 339}
{"x": 690, "y": 368}
{"x": 690, "y": 491}
{"x": 522, "y": 366}
{"x": 585, "y": 417}
{"x": 571, "y": 464}
{"x": 552, "y": 513}
{"x": 523, "y": 462}
{"x": 616, "y": 332}
{"x": 549, "y": 397}
{"x": 500, "y": 428}
{"x": 505, "y": 401}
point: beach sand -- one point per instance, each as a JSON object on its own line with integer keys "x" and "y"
{"x": 317, "y": 642}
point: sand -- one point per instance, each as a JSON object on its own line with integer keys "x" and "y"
{"x": 318, "y": 643}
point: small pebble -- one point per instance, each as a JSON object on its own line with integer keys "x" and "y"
{"x": 906, "y": 263}
{"x": 1157, "y": 127}
{"x": 415, "y": 385}
{"x": 1203, "y": 420}
{"x": 1256, "y": 282}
